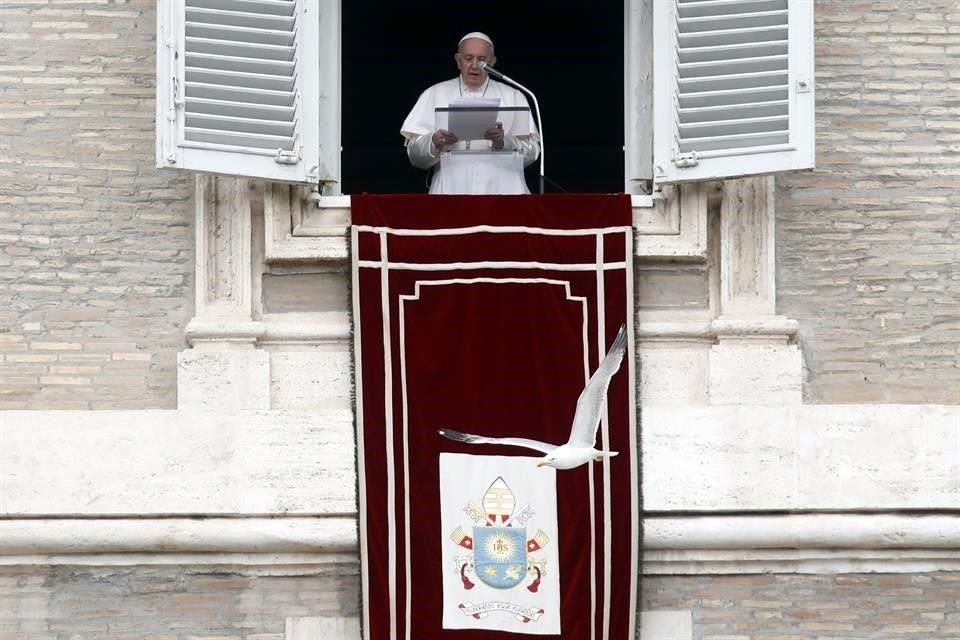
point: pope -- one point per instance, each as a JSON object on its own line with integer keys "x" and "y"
{"x": 476, "y": 174}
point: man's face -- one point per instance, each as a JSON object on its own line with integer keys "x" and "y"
{"x": 472, "y": 52}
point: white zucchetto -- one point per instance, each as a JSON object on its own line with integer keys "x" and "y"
{"x": 476, "y": 34}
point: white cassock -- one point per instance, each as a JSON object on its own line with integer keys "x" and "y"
{"x": 471, "y": 173}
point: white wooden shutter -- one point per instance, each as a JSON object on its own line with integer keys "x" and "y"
{"x": 239, "y": 88}
{"x": 733, "y": 88}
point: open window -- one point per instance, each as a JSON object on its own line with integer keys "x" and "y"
{"x": 712, "y": 89}
{"x": 249, "y": 87}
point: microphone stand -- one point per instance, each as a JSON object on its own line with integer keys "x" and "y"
{"x": 496, "y": 74}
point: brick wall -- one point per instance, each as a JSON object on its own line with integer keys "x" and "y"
{"x": 199, "y": 602}
{"x": 96, "y": 249}
{"x": 869, "y": 243}
{"x": 96, "y": 245}
{"x": 169, "y": 603}
{"x": 813, "y": 607}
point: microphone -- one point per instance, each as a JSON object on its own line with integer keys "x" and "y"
{"x": 496, "y": 74}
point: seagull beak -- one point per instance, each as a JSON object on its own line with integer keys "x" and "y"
{"x": 541, "y": 464}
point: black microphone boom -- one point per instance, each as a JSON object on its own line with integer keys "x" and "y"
{"x": 496, "y": 74}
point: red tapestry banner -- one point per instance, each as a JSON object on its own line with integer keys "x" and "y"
{"x": 488, "y": 331}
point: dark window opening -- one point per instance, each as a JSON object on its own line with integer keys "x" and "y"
{"x": 569, "y": 53}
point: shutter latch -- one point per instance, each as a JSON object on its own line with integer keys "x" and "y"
{"x": 287, "y": 157}
{"x": 686, "y": 160}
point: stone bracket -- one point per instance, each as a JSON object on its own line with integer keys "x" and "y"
{"x": 676, "y": 227}
{"x": 307, "y": 227}
{"x": 296, "y": 230}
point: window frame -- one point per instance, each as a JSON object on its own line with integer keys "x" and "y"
{"x": 649, "y": 57}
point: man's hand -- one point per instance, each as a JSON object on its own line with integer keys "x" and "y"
{"x": 495, "y": 136}
{"x": 442, "y": 138}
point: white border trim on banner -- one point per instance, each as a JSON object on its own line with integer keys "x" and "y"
{"x": 403, "y": 390}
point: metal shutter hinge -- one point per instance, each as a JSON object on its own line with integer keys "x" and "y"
{"x": 287, "y": 157}
{"x": 686, "y": 160}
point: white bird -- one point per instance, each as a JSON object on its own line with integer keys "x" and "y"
{"x": 579, "y": 447}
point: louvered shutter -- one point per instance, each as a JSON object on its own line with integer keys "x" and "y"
{"x": 733, "y": 88}
{"x": 240, "y": 92}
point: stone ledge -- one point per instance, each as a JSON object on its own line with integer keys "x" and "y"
{"x": 754, "y": 326}
{"x": 142, "y": 464}
{"x": 821, "y": 543}
{"x": 821, "y": 561}
{"x": 312, "y": 228}
{"x": 800, "y": 458}
{"x": 53, "y": 536}
{"x": 338, "y": 534}
{"x": 803, "y": 531}
{"x": 801, "y": 543}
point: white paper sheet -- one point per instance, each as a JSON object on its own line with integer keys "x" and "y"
{"x": 471, "y": 118}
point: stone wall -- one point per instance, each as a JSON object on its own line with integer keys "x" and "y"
{"x": 247, "y": 603}
{"x": 96, "y": 289}
{"x": 869, "y": 243}
{"x": 96, "y": 245}
{"x": 171, "y": 602}
{"x": 96, "y": 250}
{"x": 800, "y": 607}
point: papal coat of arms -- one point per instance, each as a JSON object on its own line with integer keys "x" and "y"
{"x": 502, "y": 556}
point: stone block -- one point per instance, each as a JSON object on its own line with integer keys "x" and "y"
{"x": 235, "y": 379}
{"x": 311, "y": 379}
{"x": 670, "y": 375}
{"x": 314, "y": 628}
{"x": 747, "y": 373}
{"x": 666, "y": 625}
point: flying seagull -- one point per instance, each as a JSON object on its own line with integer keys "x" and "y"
{"x": 579, "y": 448}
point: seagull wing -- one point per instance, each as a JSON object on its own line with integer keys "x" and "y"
{"x": 594, "y": 395}
{"x": 536, "y": 445}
